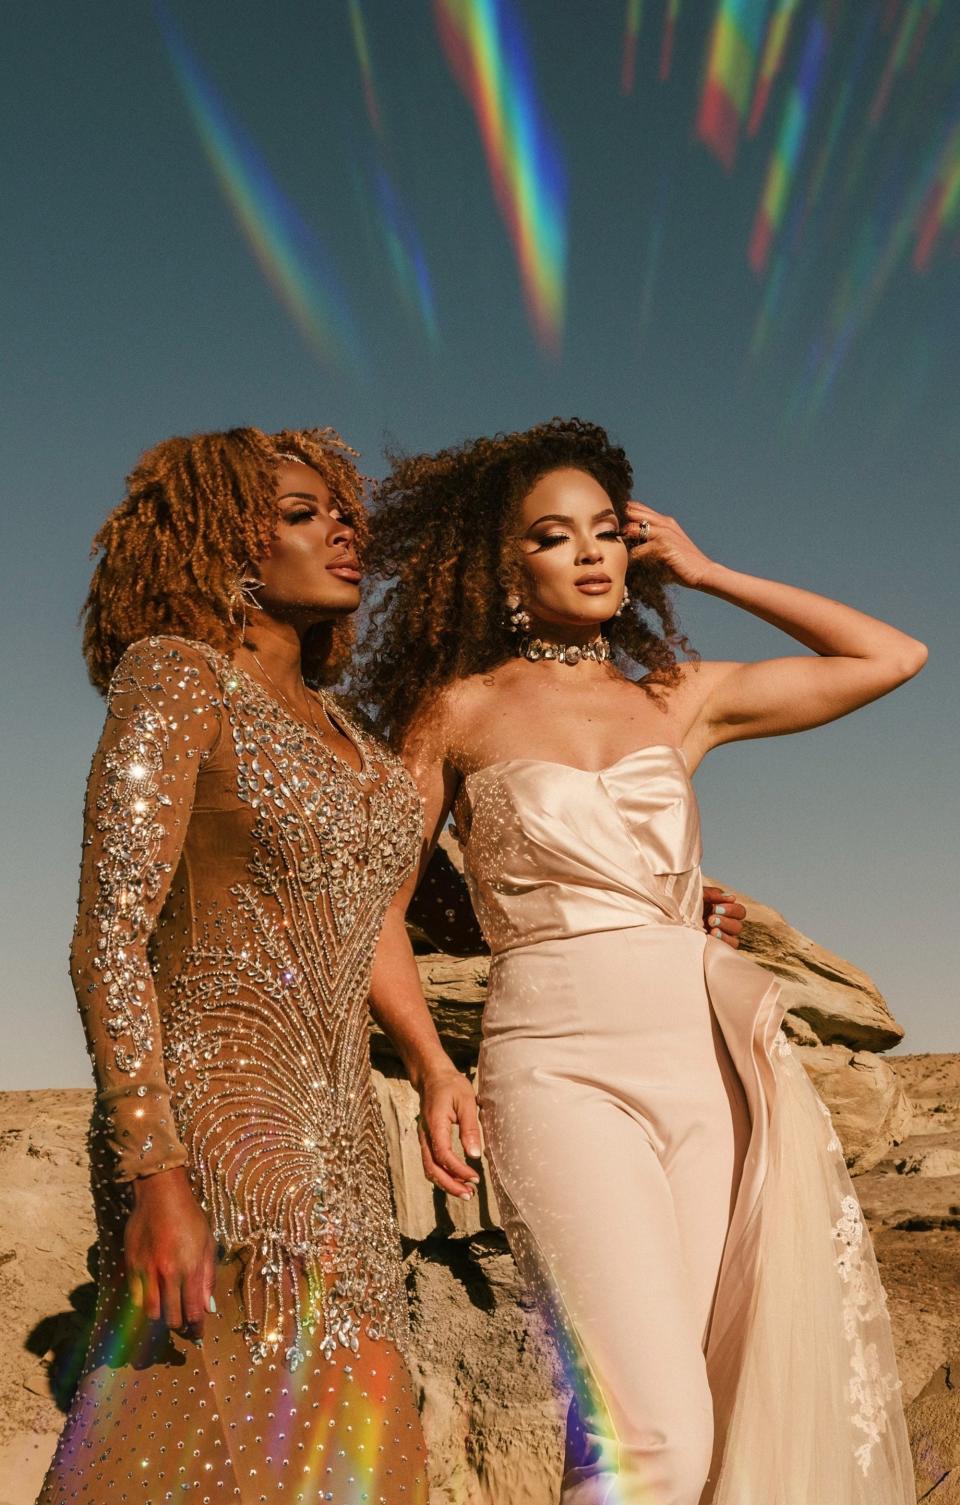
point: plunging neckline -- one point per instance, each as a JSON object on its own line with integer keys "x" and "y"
{"x": 574, "y": 767}
{"x": 363, "y": 772}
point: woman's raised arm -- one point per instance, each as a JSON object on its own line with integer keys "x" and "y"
{"x": 859, "y": 658}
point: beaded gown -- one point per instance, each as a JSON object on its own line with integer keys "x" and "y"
{"x": 234, "y": 880}
{"x": 668, "y": 1177}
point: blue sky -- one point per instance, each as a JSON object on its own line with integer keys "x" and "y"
{"x": 820, "y": 447}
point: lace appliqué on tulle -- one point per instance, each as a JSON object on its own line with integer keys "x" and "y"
{"x": 833, "y": 1143}
{"x": 781, "y": 1045}
{"x": 864, "y": 1300}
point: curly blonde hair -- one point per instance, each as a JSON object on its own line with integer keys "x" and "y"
{"x": 196, "y": 511}
{"x": 440, "y": 543}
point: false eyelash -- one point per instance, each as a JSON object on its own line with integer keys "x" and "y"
{"x": 556, "y": 538}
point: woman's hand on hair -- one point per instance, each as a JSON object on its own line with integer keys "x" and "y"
{"x": 169, "y": 1252}
{"x": 666, "y": 545}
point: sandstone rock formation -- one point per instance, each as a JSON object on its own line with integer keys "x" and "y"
{"x": 840, "y": 1004}
{"x": 493, "y": 1397}
{"x": 869, "y": 1108}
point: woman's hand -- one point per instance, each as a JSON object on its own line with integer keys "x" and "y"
{"x": 447, "y": 1098}
{"x": 666, "y": 544}
{"x": 723, "y": 915}
{"x": 169, "y": 1252}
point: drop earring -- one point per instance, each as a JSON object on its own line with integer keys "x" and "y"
{"x": 623, "y": 604}
{"x": 242, "y": 594}
{"x": 518, "y": 619}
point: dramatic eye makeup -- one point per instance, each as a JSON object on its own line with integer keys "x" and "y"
{"x": 310, "y": 507}
{"x": 551, "y": 540}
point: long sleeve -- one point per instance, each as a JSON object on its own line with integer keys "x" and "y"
{"x": 163, "y": 721}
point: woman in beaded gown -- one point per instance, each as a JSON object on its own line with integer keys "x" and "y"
{"x": 669, "y": 1179}
{"x": 242, "y": 840}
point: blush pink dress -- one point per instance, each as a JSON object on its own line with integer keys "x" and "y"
{"x": 670, "y": 1180}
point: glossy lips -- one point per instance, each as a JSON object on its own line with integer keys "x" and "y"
{"x": 347, "y": 567}
{"x": 594, "y": 585}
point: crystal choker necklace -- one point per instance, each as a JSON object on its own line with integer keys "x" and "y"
{"x": 564, "y": 653}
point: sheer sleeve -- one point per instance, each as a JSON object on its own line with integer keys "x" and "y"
{"x": 163, "y": 721}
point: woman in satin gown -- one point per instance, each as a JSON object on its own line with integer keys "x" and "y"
{"x": 669, "y": 1180}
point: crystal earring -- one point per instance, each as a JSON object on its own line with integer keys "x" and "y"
{"x": 518, "y": 620}
{"x": 623, "y": 604}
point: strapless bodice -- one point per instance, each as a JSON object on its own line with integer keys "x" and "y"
{"x": 551, "y": 850}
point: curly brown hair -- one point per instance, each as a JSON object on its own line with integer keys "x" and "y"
{"x": 197, "y": 510}
{"x": 439, "y": 540}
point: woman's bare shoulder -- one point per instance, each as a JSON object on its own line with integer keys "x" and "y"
{"x": 445, "y": 725}
{"x": 694, "y": 682}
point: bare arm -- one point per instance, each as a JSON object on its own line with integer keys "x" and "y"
{"x": 399, "y": 1007}
{"x": 859, "y": 658}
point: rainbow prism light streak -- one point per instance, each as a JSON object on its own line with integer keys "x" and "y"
{"x": 840, "y": 111}
{"x": 789, "y": 147}
{"x": 731, "y": 60}
{"x": 489, "y": 58}
{"x": 668, "y": 38}
{"x": 883, "y": 244}
{"x": 910, "y": 34}
{"x": 359, "y": 30}
{"x": 941, "y": 210}
{"x": 406, "y": 256}
{"x": 287, "y": 250}
{"x": 774, "y": 48}
{"x": 631, "y": 31}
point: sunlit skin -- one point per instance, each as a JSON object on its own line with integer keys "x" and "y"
{"x": 310, "y": 574}
{"x": 574, "y": 556}
{"x": 571, "y": 555}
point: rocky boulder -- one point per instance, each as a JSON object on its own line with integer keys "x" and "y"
{"x": 836, "y": 1001}
{"x": 869, "y": 1108}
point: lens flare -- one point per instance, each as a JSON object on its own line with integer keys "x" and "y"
{"x": 489, "y": 58}
{"x": 914, "y": 24}
{"x": 289, "y": 253}
{"x": 668, "y": 38}
{"x": 731, "y": 60}
{"x": 631, "y": 31}
{"x": 883, "y": 244}
{"x": 774, "y": 48}
{"x": 790, "y": 143}
{"x": 941, "y": 209}
{"x": 359, "y": 30}
{"x": 407, "y": 258}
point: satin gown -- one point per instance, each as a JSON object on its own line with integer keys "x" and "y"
{"x": 668, "y": 1177}
{"x": 234, "y": 880}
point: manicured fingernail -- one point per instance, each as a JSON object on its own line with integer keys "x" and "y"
{"x": 211, "y": 1305}
{"x": 466, "y": 1195}
{"x": 719, "y": 909}
{"x": 716, "y": 933}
